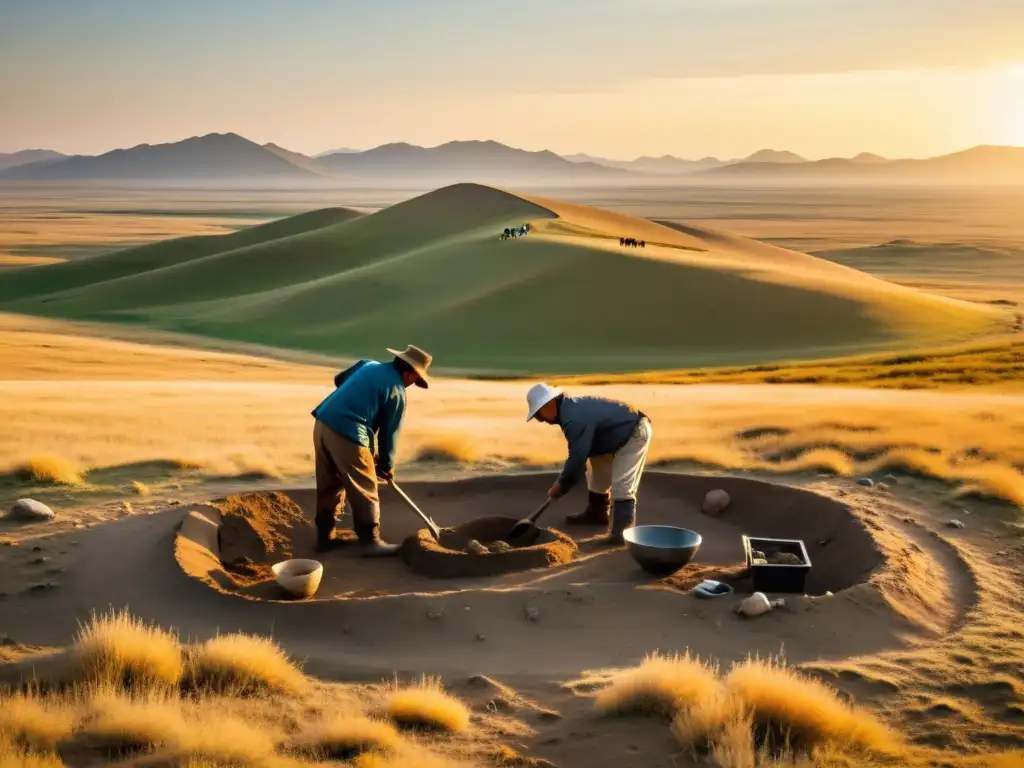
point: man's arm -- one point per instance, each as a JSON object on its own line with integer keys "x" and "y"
{"x": 580, "y": 437}
{"x": 390, "y": 425}
{"x": 343, "y": 376}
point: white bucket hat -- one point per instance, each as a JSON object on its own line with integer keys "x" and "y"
{"x": 539, "y": 396}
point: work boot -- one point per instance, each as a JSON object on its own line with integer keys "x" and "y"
{"x": 324, "y": 539}
{"x": 377, "y": 547}
{"x": 366, "y": 523}
{"x": 596, "y": 512}
{"x": 623, "y": 517}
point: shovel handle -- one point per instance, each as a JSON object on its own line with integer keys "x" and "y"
{"x": 434, "y": 529}
{"x": 540, "y": 510}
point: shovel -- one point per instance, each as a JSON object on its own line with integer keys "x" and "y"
{"x": 435, "y": 531}
{"x": 526, "y": 531}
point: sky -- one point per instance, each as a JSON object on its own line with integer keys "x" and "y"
{"x": 614, "y": 78}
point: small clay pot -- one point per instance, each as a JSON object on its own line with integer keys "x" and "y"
{"x": 300, "y": 578}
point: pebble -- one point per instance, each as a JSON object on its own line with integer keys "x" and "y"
{"x": 882, "y": 487}
{"x": 435, "y": 615}
{"x": 476, "y": 548}
{"x": 892, "y": 479}
{"x": 867, "y": 482}
{"x": 956, "y": 524}
{"x": 480, "y": 638}
{"x": 37, "y": 548}
{"x": 715, "y": 502}
{"x": 173, "y": 502}
{"x": 30, "y": 511}
{"x": 42, "y": 585}
{"x": 40, "y": 560}
{"x": 532, "y": 613}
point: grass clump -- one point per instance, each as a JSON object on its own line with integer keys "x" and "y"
{"x": 141, "y": 489}
{"x": 345, "y": 737}
{"x": 225, "y": 741}
{"x": 447, "y": 448}
{"x": 28, "y": 724}
{"x": 122, "y": 651}
{"x": 788, "y": 707}
{"x": 242, "y": 664}
{"x": 702, "y": 723}
{"x": 660, "y": 686}
{"x": 52, "y": 470}
{"x": 120, "y": 726}
{"x": 427, "y": 706}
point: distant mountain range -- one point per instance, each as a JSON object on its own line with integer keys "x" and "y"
{"x": 230, "y": 157}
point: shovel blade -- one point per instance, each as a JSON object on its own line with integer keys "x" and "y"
{"x": 523, "y": 534}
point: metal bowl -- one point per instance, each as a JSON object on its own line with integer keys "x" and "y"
{"x": 661, "y": 549}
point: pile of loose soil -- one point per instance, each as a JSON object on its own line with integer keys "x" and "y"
{"x": 478, "y": 549}
{"x": 256, "y": 531}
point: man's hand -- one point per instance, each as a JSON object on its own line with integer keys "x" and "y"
{"x": 555, "y": 491}
{"x": 385, "y": 475}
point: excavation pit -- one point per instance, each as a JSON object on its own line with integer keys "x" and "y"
{"x": 478, "y": 548}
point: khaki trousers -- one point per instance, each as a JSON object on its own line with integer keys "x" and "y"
{"x": 619, "y": 473}
{"x": 344, "y": 469}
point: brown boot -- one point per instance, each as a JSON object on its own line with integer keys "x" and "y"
{"x": 596, "y": 512}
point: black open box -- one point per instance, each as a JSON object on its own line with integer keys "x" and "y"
{"x": 777, "y": 577}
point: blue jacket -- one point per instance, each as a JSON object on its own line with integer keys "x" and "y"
{"x": 369, "y": 397}
{"x": 593, "y": 426}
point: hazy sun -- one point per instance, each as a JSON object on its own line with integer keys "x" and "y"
{"x": 1011, "y": 95}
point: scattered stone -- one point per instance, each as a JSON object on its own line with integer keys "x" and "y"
{"x": 346, "y": 629}
{"x": 480, "y": 638}
{"x": 784, "y": 558}
{"x": 824, "y": 542}
{"x": 31, "y": 511}
{"x": 867, "y": 482}
{"x": 434, "y": 615}
{"x": 956, "y": 524}
{"x": 548, "y": 715}
{"x": 40, "y": 560}
{"x": 126, "y": 507}
{"x": 42, "y": 585}
{"x": 882, "y": 487}
{"x": 499, "y": 546}
{"x": 37, "y": 548}
{"x": 467, "y": 608}
{"x": 474, "y": 547}
{"x": 79, "y": 525}
{"x": 55, "y": 570}
{"x": 966, "y": 511}
{"x": 173, "y": 502}
{"x": 891, "y": 479}
{"x": 715, "y": 502}
{"x": 910, "y": 521}
{"x": 532, "y": 613}
{"x": 757, "y": 604}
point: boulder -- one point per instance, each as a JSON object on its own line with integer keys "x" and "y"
{"x": 31, "y": 511}
{"x": 715, "y": 502}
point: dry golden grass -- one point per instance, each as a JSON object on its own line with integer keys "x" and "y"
{"x": 704, "y": 721}
{"x": 455, "y": 448}
{"x": 427, "y": 706}
{"x": 119, "y": 650}
{"x": 28, "y": 723}
{"x": 225, "y": 739}
{"x": 661, "y": 685}
{"x": 344, "y": 737}
{"x": 49, "y": 469}
{"x": 242, "y": 664}
{"x": 140, "y": 489}
{"x": 805, "y": 712}
{"x": 119, "y": 725}
{"x": 14, "y": 757}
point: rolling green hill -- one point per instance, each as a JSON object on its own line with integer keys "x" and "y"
{"x": 431, "y": 271}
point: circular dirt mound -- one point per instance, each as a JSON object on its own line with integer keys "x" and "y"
{"x": 476, "y": 549}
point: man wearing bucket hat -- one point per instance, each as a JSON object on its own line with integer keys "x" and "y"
{"x": 366, "y": 407}
{"x": 609, "y": 439}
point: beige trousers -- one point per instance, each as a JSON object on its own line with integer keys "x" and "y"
{"x": 620, "y": 472}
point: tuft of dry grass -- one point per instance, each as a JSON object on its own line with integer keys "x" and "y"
{"x": 46, "y": 468}
{"x": 702, "y": 723}
{"x": 12, "y": 756}
{"x": 458, "y": 449}
{"x": 791, "y": 707}
{"x": 346, "y": 736}
{"x": 140, "y": 489}
{"x": 121, "y": 651}
{"x": 28, "y": 723}
{"x": 120, "y": 725}
{"x": 661, "y": 685}
{"x": 243, "y": 664}
{"x": 427, "y": 706}
{"x": 225, "y": 740}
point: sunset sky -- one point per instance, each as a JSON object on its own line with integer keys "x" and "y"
{"x": 618, "y": 78}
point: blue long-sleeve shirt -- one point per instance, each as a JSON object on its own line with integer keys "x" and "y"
{"x": 593, "y": 426}
{"x": 369, "y": 397}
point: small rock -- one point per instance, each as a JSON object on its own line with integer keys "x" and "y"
{"x": 892, "y": 479}
{"x": 548, "y": 715}
{"x": 37, "y": 548}
{"x": 867, "y": 482}
{"x": 346, "y": 629}
{"x": 434, "y": 615}
{"x": 909, "y": 521}
{"x": 824, "y": 542}
{"x": 715, "y": 502}
{"x": 841, "y": 492}
{"x": 499, "y": 546}
{"x": 173, "y": 502}
{"x": 882, "y": 487}
{"x": 79, "y": 525}
{"x": 31, "y": 511}
{"x": 467, "y": 608}
{"x": 966, "y": 511}
{"x": 55, "y": 570}
{"x": 532, "y": 613}
{"x": 481, "y": 637}
{"x": 956, "y": 524}
{"x": 755, "y": 605}
{"x": 126, "y": 507}
{"x": 42, "y": 585}
{"x": 40, "y": 560}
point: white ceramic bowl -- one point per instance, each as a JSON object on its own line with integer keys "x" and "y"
{"x": 299, "y": 577}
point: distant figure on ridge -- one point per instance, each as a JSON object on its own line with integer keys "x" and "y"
{"x": 368, "y": 398}
{"x": 608, "y": 438}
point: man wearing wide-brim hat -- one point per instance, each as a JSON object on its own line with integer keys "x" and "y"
{"x": 607, "y": 438}
{"x": 366, "y": 407}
